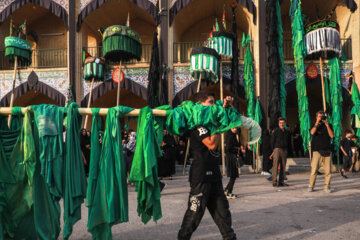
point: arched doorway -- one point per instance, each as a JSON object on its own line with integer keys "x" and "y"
{"x": 41, "y": 93}
{"x": 314, "y": 92}
{"x": 104, "y": 96}
{"x": 46, "y": 33}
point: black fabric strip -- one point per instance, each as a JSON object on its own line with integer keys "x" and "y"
{"x": 148, "y": 7}
{"x": 40, "y": 87}
{"x": 95, "y": 4}
{"x": 205, "y": 50}
{"x": 351, "y": 4}
{"x": 92, "y": 6}
{"x": 106, "y": 86}
{"x": 250, "y": 6}
{"x": 53, "y": 7}
{"x": 223, "y": 34}
{"x": 180, "y": 4}
{"x": 273, "y": 61}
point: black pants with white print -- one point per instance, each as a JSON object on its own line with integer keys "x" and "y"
{"x": 210, "y": 196}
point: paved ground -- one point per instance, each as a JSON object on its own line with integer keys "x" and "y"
{"x": 261, "y": 211}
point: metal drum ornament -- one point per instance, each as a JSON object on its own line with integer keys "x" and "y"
{"x": 15, "y": 46}
{"x": 121, "y": 43}
{"x": 222, "y": 42}
{"x": 322, "y": 39}
{"x": 94, "y": 68}
{"x": 204, "y": 61}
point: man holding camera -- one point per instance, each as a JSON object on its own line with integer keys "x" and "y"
{"x": 322, "y": 133}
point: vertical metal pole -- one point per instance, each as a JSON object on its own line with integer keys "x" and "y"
{"x": 322, "y": 85}
{"x": 118, "y": 89}
{"x": 88, "y": 106}
{"x": 222, "y": 135}
{"x": 188, "y": 142}
{"x": 13, "y": 88}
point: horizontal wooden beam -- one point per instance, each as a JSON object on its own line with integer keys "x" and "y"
{"x": 87, "y": 111}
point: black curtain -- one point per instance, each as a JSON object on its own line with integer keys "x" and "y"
{"x": 154, "y": 75}
{"x": 351, "y": 4}
{"x": 235, "y": 61}
{"x": 274, "y": 62}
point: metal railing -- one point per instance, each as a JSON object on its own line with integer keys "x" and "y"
{"x": 41, "y": 58}
{"x": 345, "y": 44}
{"x": 145, "y": 55}
{"x": 182, "y": 51}
{"x": 57, "y": 57}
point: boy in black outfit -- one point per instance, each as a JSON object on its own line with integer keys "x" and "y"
{"x": 205, "y": 179}
{"x": 345, "y": 145}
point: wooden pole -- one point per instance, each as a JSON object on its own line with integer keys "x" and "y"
{"x": 118, "y": 89}
{"x": 87, "y": 111}
{"x": 222, "y": 135}
{"x": 13, "y": 88}
{"x": 89, "y": 101}
{"x": 257, "y": 157}
{"x": 322, "y": 85}
{"x": 188, "y": 141}
{"x": 199, "y": 84}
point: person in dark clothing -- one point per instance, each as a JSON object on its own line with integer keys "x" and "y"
{"x": 169, "y": 154}
{"x": 321, "y": 146}
{"x": 298, "y": 143}
{"x": 346, "y": 146}
{"x": 248, "y": 153}
{"x": 279, "y": 143}
{"x": 233, "y": 162}
{"x": 180, "y": 151}
{"x": 166, "y": 163}
{"x": 290, "y": 148}
{"x": 85, "y": 149}
{"x": 206, "y": 189}
{"x": 266, "y": 152}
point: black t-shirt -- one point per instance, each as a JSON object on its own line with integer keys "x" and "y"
{"x": 280, "y": 138}
{"x": 321, "y": 141}
{"x": 347, "y": 144}
{"x": 205, "y": 166}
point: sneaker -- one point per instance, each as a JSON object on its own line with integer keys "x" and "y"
{"x": 269, "y": 179}
{"x": 310, "y": 189}
{"x": 162, "y": 186}
{"x": 231, "y": 196}
{"x": 266, "y": 174}
{"x": 328, "y": 190}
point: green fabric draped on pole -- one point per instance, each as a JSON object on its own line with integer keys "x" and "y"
{"x": 95, "y": 153}
{"x": 74, "y": 174}
{"x": 144, "y": 172}
{"x": 281, "y": 54}
{"x": 258, "y": 119}
{"x": 38, "y": 215}
{"x": 249, "y": 77}
{"x": 49, "y": 121}
{"x": 355, "y": 97}
{"x": 109, "y": 204}
{"x": 336, "y": 103}
{"x": 18, "y": 161}
{"x": 297, "y": 28}
{"x": 189, "y": 115}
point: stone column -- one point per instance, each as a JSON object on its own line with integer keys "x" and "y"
{"x": 355, "y": 40}
{"x": 259, "y": 46}
{"x": 72, "y": 47}
{"x": 170, "y": 58}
